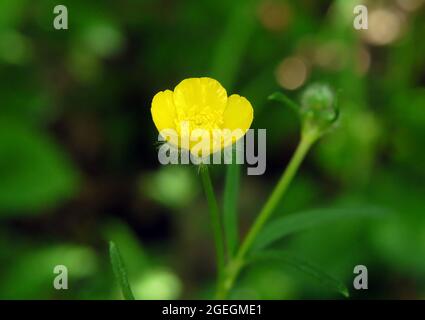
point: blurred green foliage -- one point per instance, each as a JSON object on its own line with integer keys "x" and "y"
{"x": 78, "y": 162}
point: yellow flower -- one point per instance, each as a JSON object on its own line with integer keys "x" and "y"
{"x": 199, "y": 107}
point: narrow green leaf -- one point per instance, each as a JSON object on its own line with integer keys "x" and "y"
{"x": 119, "y": 271}
{"x": 230, "y": 201}
{"x": 280, "y": 97}
{"x": 296, "y": 222}
{"x": 324, "y": 278}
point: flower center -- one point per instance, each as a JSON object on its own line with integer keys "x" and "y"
{"x": 205, "y": 118}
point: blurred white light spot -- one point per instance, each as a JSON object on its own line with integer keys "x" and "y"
{"x": 384, "y": 27}
{"x": 103, "y": 39}
{"x": 410, "y": 5}
{"x": 273, "y": 15}
{"x": 292, "y": 73}
{"x": 331, "y": 55}
{"x": 173, "y": 186}
{"x": 158, "y": 285}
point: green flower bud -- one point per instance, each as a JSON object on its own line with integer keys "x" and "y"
{"x": 318, "y": 109}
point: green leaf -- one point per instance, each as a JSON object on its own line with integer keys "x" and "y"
{"x": 296, "y": 222}
{"x": 120, "y": 271}
{"x": 28, "y": 272}
{"x": 136, "y": 258}
{"x": 230, "y": 201}
{"x": 35, "y": 173}
{"x": 280, "y": 97}
{"x": 324, "y": 279}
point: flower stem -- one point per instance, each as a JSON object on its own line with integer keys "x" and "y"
{"x": 234, "y": 267}
{"x": 215, "y": 220}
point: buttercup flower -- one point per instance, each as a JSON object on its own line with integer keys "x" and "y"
{"x": 199, "y": 112}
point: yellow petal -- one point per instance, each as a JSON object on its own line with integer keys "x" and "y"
{"x": 163, "y": 110}
{"x": 238, "y": 117}
{"x": 198, "y": 95}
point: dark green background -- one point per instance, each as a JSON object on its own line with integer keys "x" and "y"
{"x": 78, "y": 159}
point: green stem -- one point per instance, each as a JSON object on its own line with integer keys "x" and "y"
{"x": 230, "y": 203}
{"x": 235, "y": 266}
{"x": 215, "y": 220}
